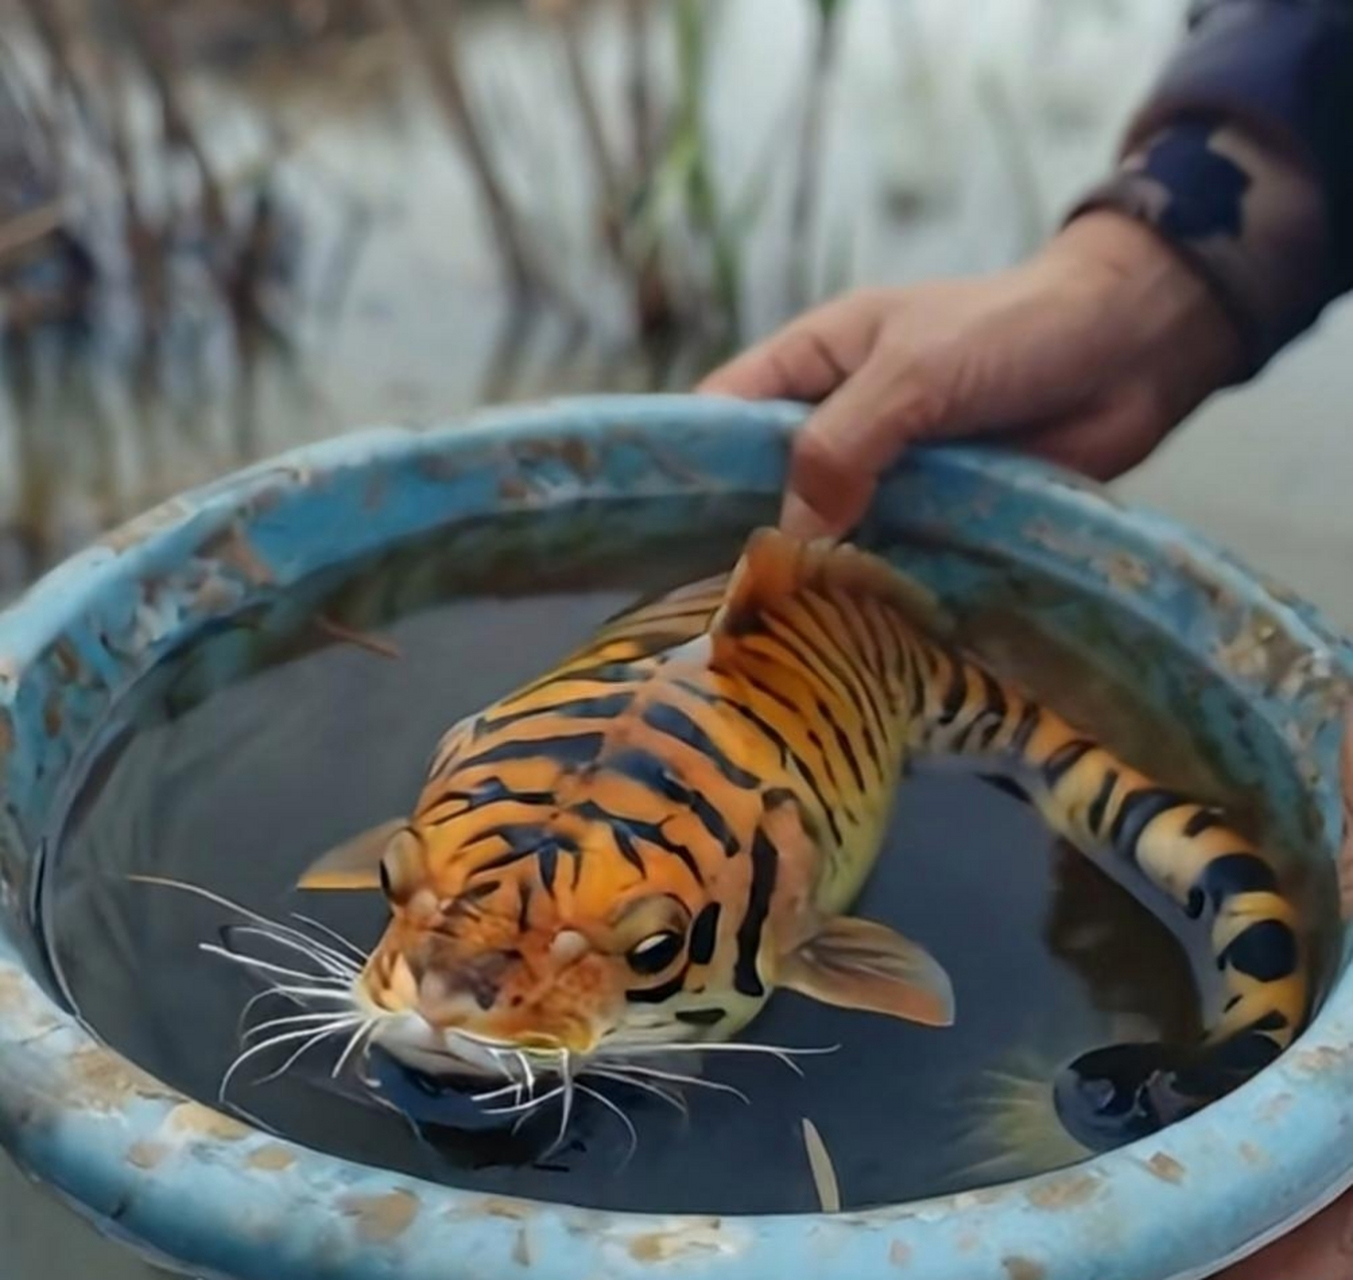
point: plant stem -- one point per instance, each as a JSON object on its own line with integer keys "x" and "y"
{"x": 810, "y": 158}
{"x": 692, "y": 144}
{"x": 641, "y": 106}
{"x": 437, "y": 50}
{"x": 150, "y": 34}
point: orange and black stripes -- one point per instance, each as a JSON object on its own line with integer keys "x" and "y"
{"x": 1187, "y": 850}
{"x": 803, "y": 682}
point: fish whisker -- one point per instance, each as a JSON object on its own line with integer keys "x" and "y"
{"x": 286, "y": 935}
{"x": 677, "y": 1077}
{"x": 330, "y": 961}
{"x": 782, "y": 1053}
{"x": 311, "y": 993}
{"x": 516, "y": 1089}
{"x": 267, "y": 966}
{"x": 568, "y": 1087}
{"x": 229, "y": 904}
{"x": 364, "y": 1030}
{"x": 529, "y": 1106}
{"x": 319, "y": 1036}
{"x": 624, "y": 1119}
{"x": 488, "y": 1042}
{"x": 294, "y": 994}
{"x": 291, "y": 1020}
{"x": 348, "y": 946}
{"x": 672, "y": 1099}
{"x": 527, "y": 1071}
{"x": 286, "y": 1037}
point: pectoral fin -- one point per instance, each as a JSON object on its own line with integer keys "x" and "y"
{"x": 354, "y": 864}
{"x": 856, "y": 964}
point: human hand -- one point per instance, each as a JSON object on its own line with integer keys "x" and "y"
{"x": 1087, "y": 354}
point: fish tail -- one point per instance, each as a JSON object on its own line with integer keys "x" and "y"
{"x": 1117, "y": 815}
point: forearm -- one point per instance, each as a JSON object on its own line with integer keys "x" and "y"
{"x": 1242, "y": 158}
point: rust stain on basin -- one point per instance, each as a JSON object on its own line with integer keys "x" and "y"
{"x": 103, "y": 1082}
{"x": 514, "y": 489}
{"x": 51, "y": 714}
{"x": 1321, "y": 1059}
{"x": 1165, "y": 1167}
{"x": 496, "y": 1207}
{"x": 66, "y": 660}
{"x": 233, "y": 548}
{"x": 899, "y": 1254}
{"x": 381, "y": 1218}
{"x": 681, "y": 1242}
{"x": 138, "y": 530}
{"x": 192, "y": 1119}
{"x": 1064, "y": 1193}
{"x": 11, "y": 991}
{"x": 1252, "y": 1155}
{"x": 1018, "y": 1268}
{"x": 271, "y": 1158}
{"x": 1278, "y": 1106}
{"x": 147, "y": 1155}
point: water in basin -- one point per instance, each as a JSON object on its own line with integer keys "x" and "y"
{"x": 238, "y": 790}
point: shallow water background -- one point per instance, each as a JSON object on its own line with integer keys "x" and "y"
{"x": 955, "y": 135}
{"x": 1047, "y": 956}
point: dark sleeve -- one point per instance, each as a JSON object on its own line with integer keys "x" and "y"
{"x": 1242, "y": 157}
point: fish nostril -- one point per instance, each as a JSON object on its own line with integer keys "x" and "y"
{"x": 479, "y": 980}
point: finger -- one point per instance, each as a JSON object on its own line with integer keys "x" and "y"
{"x": 858, "y": 431}
{"x": 1102, "y": 444}
{"x": 807, "y": 359}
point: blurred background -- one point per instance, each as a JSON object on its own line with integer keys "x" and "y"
{"x": 232, "y": 226}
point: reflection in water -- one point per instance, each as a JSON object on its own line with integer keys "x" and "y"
{"x": 1009, "y": 1127}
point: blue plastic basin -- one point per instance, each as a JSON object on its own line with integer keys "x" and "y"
{"x": 221, "y": 1199}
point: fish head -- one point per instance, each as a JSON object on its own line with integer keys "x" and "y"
{"x": 533, "y": 960}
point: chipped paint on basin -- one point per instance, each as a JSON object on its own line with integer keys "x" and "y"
{"x": 211, "y": 1195}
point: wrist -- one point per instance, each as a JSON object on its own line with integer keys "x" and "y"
{"x": 1245, "y": 215}
{"x": 1165, "y": 307}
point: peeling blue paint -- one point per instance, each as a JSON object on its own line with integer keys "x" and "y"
{"x": 228, "y": 1201}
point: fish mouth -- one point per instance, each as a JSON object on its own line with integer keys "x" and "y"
{"x": 437, "y": 1052}
{"x": 456, "y": 1045}
{"x": 455, "y": 1051}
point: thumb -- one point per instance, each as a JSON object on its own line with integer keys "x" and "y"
{"x": 853, "y": 437}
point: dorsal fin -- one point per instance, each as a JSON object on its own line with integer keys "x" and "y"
{"x": 775, "y": 566}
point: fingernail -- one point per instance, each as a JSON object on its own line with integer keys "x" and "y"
{"x": 799, "y": 520}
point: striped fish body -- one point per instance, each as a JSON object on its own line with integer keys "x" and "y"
{"x": 640, "y": 846}
{"x": 717, "y": 761}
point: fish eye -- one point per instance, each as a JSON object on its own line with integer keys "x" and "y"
{"x": 656, "y": 952}
{"x": 401, "y": 866}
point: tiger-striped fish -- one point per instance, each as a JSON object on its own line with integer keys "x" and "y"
{"x": 636, "y": 849}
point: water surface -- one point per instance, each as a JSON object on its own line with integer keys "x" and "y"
{"x": 240, "y": 791}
